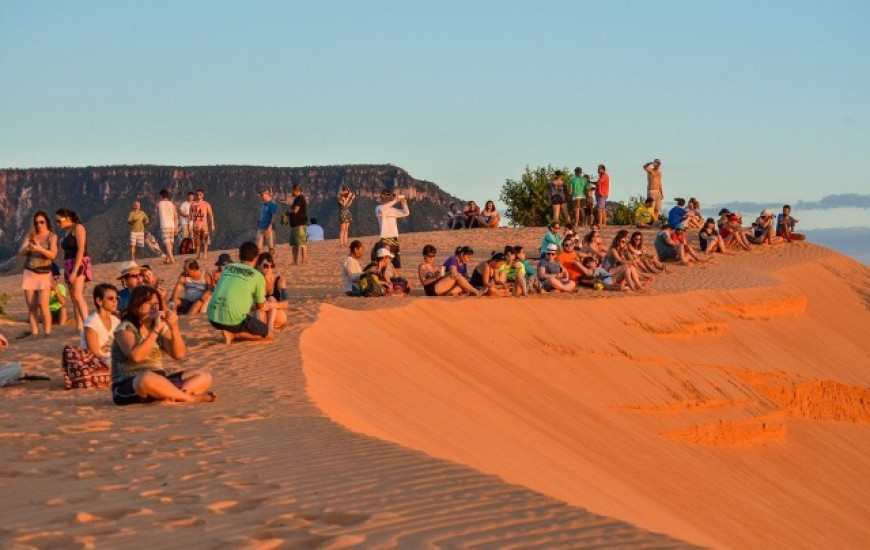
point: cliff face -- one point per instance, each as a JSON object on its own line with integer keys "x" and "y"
{"x": 103, "y": 196}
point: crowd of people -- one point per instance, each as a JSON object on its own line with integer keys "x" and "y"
{"x": 134, "y": 324}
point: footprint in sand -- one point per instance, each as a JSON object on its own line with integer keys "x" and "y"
{"x": 51, "y": 539}
{"x": 180, "y": 522}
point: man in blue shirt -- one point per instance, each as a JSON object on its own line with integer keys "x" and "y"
{"x": 678, "y": 214}
{"x": 264, "y": 225}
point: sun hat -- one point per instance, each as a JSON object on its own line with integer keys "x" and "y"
{"x": 766, "y": 213}
{"x": 128, "y": 268}
{"x": 552, "y": 247}
{"x": 383, "y": 252}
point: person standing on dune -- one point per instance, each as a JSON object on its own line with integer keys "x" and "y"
{"x": 387, "y": 214}
{"x": 654, "y": 188}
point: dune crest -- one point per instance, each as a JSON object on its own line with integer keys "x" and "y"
{"x": 732, "y": 415}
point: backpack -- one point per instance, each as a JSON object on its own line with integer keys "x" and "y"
{"x": 186, "y": 246}
{"x": 370, "y": 286}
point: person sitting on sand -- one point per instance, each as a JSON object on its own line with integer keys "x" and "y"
{"x": 384, "y": 271}
{"x": 785, "y": 226}
{"x": 644, "y": 214}
{"x": 551, "y": 273}
{"x": 484, "y": 277}
{"x": 695, "y": 219}
{"x": 592, "y": 243}
{"x": 620, "y": 268}
{"x": 147, "y": 276}
{"x": 646, "y": 262}
{"x": 490, "y": 216}
{"x": 192, "y": 290}
{"x": 513, "y": 273}
{"x": 731, "y": 230}
{"x": 765, "y": 229}
{"x": 351, "y": 270}
{"x": 594, "y": 274}
{"x": 678, "y": 214}
{"x": 241, "y": 289}
{"x": 666, "y": 249}
{"x": 689, "y": 253}
{"x": 98, "y": 333}
{"x": 533, "y": 284}
{"x": 222, "y": 261}
{"x": 552, "y": 236}
{"x": 454, "y": 219}
{"x": 433, "y": 283}
{"x": 276, "y": 289}
{"x": 571, "y": 260}
{"x": 709, "y": 239}
{"x": 457, "y": 267}
{"x": 130, "y": 278}
{"x": 147, "y": 331}
{"x": 472, "y": 215}
{"x": 57, "y": 297}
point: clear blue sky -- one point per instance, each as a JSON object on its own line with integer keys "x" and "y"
{"x": 741, "y": 100}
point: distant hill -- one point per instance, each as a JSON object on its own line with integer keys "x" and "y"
{"x": 103, "y": 197}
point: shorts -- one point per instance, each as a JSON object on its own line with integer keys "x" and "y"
{"x": 579, "y": 202}
{"x": 251, "y": 325}
{"x": 84, "y": 269}
{"x": 600, "y": 202}
{"x": 35, "y": 281}
{"x": 168, "y": 235}
{"x": 669, "y": 253}
{"x": 137, "y": 238}
{"x": 200, "y": 236}
{"x": 55, "y": 316}
{"x": 299, "y": 236}
{"x": 124, "y": 394}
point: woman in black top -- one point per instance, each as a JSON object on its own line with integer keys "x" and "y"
{"x": 276, "y": 289}
{"x": 76, "y": 263}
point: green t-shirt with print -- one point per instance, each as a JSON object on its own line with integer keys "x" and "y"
{"x": 239, "y": 288}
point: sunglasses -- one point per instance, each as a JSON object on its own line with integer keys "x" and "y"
{"x": 110, "y": 298}
{"x": 267, "y": 266}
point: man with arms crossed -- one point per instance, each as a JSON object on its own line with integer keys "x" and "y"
{"x": 168, "y": 217}
{"x": 240, "y": 287}
{"x": 654, "y": 186}
{"x": 298, "y": 226}
{"x": 137, "y": 220}
{"x": 265, "y": 232}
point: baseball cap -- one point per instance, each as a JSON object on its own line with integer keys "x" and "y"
{"x": 383, "y": 252}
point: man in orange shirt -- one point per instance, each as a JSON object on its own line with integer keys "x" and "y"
{"x": 602, "y": 191}
{"x": 570, "y": 260}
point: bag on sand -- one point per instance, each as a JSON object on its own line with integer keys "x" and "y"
{"x": 186, "y": 246}
{"x": 370, "y": 285}
{"x": 82, "y": 369}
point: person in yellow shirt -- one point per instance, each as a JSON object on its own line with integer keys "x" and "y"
{"x": 644, "y": 216}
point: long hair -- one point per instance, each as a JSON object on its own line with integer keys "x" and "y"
{"x": 46, "y": 217}
{"x": 138, "y": 296}
{"x": 71, "y": 214}
{"x": 619, "y": 236}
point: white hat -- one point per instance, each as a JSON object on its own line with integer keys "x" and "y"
{"x": 552, "y": 247}
{"x": 382, "y": 252}
{"x": 766, "y": 212}
{"x": 129, "y": 267}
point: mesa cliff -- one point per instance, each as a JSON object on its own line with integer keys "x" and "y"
{"x": 103, "y": 196}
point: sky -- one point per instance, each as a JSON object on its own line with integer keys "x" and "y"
{"x": 750, "y": 101}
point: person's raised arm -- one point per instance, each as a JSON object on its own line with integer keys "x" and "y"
{"x": 173, "y": 343}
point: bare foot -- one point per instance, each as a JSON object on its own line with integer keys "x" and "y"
{"x": 206, "y": 397}
{"x": 228, "y": 337}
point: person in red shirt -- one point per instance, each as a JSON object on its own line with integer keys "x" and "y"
{"x": 602, "y": 191}
{"x": 679, "y": 237}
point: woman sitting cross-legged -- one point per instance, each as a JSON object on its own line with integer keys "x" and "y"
{"x": 147, "y": 331}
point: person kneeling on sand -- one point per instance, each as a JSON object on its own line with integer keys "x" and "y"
{"x": 240, "y": 289}
{"x": 147, "y": 331}
{"x": 551, "y": 273}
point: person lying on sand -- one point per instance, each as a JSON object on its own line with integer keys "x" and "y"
{"x": 148, "y": 330}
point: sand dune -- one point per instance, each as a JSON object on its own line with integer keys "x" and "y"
{"x": 726, "y": 407}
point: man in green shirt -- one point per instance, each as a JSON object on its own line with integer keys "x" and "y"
{"x": 240, "y": 288}
{"x": 137, "y": 220}
{"x": 578, "y": 196}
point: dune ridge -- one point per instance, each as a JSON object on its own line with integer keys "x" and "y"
{"x": 684, "y": 413}
{"x": 425, "y": 461}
